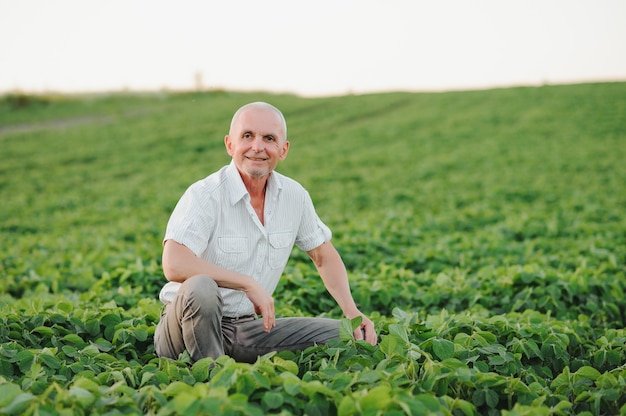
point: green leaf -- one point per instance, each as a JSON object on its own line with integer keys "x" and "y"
{"x": 443, "y": 348}
{"x": 393, "y": 345}
{"x": 286, "y": 365}
{"x": 8, "y": 352}
{"x": 342, "y": 381}
{"x": 368, "y": 376}
{"x": 563, "y": 407}
{"x": 491, "y": 398}
{"x": 18, "y": 404}
{"x": 176, "y": 388}
{"x": 466, "y": 407}
{"x": 183, "y": 402}
{"x": 400, "y": 332}
{"x": 261, "y": 380}
{"x": 69, "y": 351}
{"x": 201, "y": 368}
{"x": 50, "y": 361}
{"x": 103, "y": 345}
{"x": 8, "y": 392}
{"x": 226, "y": 377}
{"x": 246, "y": 384}
{"x": 145, "y": 378}
{"x": 317, "y": 387}
{"x": 377, "y": 398}
{"x": 65, "y": 306}
{"x": 588, "y": 372}
{"x": 24, "y": 360}
{"x": 75, "y": 340}
{"x": 532, "y": 345}
{"x": 347, "y": 407}
{"x": 43, "y": 330}
{"x": 111, "y": 319}
{"x": 429, "y": 402}
{"x": 272, "y": 400}
{"x": 93, "y": 327}
{"x": 478, "y": 397}
{"x": 400, "y": 315}
{"x": 84, "y": 397}
{"x": 141, "y": 334}
{"x": 291, "y": 384}
{"x": 345, "y": 330}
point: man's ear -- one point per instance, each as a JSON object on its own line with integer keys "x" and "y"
{"x": 284, "y": 150}
{"x": 228, "y": 144}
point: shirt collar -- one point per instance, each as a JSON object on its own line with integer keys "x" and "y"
{"x": 237, "y": 189}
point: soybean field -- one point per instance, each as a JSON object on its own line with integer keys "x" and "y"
{"x": 484, "y": 233}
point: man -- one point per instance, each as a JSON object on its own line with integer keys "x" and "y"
{"x": 227, "y": 244}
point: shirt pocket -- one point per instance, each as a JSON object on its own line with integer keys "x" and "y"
{"x": 232, "y": 244}
{"x": 280, "y": 248}
{"x": 234, "y": 253}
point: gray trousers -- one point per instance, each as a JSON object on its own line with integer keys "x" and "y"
{"x": 194, "y": 322}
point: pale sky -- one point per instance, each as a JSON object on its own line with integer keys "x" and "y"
{"x": 322, "y": 47}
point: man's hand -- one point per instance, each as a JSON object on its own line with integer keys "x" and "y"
{"x": 366, "y": 331}
{"x": 263, "y": 305}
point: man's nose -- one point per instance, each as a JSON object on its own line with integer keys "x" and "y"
{"x": 257, "y": 144}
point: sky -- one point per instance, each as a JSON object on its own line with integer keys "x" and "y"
{"x": 314, "y": 48}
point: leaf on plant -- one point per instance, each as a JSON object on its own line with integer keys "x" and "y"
{"x": 443, "y": 348}
{"x": 429, "y": 402}
{"x": 84, "y": 397}
{"x": 588, "y": 372}
{"x": 492, "y": 398}
{"x": 225, "y": 378}
{"x": 347, "y": 407}
{"x": 377, "y": 398}
{"x": 176, "y": 388}
{"x": 342, "y": 381}
{"x": 346, "y": 330}
{"x": 200, "y": 369}
{"x": 368, "y": 376}
{"x": 18, "y": 404}
{"x": 286, "y": 364}
{"x": 399, "y": 331}
{"x": 291, "y": 384}
{"x": 50, "y": 361}
{"x": 43, "y": 330}
{"x": 74, "y": 340}
{"x": 400, "y": 315}
{"x": 8, "y": 391}
{"x": 261, "y": 380}
{"x": 111, "y": 319}
{"x": 272, "y": 400}
{"x": 103, "y": 345}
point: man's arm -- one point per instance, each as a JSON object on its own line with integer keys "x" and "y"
{"x": 180, "y": 263}
{"x": 335, "y": 276}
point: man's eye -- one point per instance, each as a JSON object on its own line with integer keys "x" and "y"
{"x": 269, "y": 138}
{"x": 247, "y": 136}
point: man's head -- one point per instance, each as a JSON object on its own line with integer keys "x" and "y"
{"x": 257, "y": 139}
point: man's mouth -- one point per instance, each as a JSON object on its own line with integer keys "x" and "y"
{"x": 256, "y": 159}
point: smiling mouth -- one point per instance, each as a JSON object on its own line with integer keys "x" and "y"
{"x": 257, "y": 159}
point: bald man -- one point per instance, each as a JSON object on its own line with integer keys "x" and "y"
{"x": 227, "y": 243}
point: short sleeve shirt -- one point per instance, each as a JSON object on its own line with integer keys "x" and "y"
{"x": 215, "y": 220}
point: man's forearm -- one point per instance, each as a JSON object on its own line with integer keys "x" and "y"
{"x": 180, "y": 263}
{"x": 335, "y": 277}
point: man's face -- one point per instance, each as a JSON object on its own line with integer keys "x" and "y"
{"x": 256, "y": 142}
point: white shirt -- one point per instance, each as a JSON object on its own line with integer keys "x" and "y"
{"x": 215, "y": 220}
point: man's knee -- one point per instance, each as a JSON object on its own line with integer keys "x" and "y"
{"x": 201, "y": 292}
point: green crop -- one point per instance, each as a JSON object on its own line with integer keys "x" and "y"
{"x": 484, "y": 233}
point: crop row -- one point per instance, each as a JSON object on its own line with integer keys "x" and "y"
{"x": 62, "y": 357}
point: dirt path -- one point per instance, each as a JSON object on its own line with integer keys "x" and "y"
{"x": 65, "y": 123}
{"x": 54, "y": 124}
